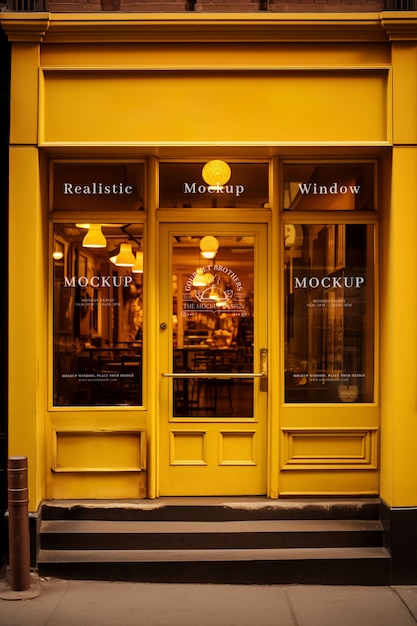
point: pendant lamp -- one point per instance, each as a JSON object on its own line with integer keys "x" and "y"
{"x": 94, "y": 237}
{"x": 209, "y": 246}
{"x": 138, "y": 266}
{"x": 216, "y": 173}
{"x": 125, "y": 258}
{"x": 199, "y": 280}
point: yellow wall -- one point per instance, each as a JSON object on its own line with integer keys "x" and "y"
{"x": 106, "y": 83}
{"x": 159, "y": 108}
{"x": 399, "y": 336}
{"x": 28, "y": 298}
{"x": 399, "y": 290}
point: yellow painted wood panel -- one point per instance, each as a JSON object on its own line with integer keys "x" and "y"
{"x": 24, "y": 94}
{"x": 206, "y": 107}
{"x": 399, "y": 335}
{"x": 204, "y": 55}
{"x": 101, "y": 451}
{"x": 105, "y": 486}
{"x": 214, "y": 460}
{"x": 404, "y": 56}
{"x": 346, "y": 448}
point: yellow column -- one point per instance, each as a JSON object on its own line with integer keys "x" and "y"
{"x": 399, "y": 289}
{"x": 28, "y": 242}
{"x": 399, "y": 335}
{"x": 28, "y": 316}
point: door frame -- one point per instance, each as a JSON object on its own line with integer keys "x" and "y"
{"x": 229, "y": 221}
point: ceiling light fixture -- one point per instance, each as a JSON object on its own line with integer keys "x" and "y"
{"x": 94, "y": 237}
{"x": 138, "y": 266}
{"x": 216, "y": 173}
{"x": 209, "y": 246}
{"x": 125, "y": 257}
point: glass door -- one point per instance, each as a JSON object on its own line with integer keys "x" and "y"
{"x": 213, "y": 359}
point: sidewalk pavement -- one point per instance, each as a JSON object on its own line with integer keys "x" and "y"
{"x": 70, "y": 602}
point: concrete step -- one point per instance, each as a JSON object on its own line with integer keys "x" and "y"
{"x": 213, "y": 509}
{"x": 216, "y": 540}
{"x": 353, "y": 566}
{"x": 126, "y": 535}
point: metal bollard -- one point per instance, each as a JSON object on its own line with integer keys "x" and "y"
{"x": 19, "y": 543}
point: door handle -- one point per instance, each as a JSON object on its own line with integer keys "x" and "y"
{"x": 263, "y": 361}
{"x": 213, "y": 375}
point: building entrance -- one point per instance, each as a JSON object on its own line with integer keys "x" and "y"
{"x": 213, "y": 359}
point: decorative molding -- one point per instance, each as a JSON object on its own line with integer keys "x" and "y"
{"x": 69, "y": 462}
{"x": 195, "y": 444}
{"x": 198, "y": 27}
{"x": 329, "y": 448}
{"x": 243, "y": 441}
{"x": 25, "y": 27}
{"x": 400, "y": 25}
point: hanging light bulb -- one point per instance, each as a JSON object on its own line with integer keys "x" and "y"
{"x": 221, "y": 303}
{"x": 209, "y": 246}
{"x": 57, "y": 255}
{"x": 138, "y": 266}
{"x": 215, "y": 293}
{"x": 125, "y": 258}
{"x": 94, "y": 237}
{"x": 216, "y": 173}
{"x": 199, "y": 280}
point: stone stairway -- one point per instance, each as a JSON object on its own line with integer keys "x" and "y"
{"x": 212, "y": 540}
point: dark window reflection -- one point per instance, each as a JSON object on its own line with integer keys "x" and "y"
{"x": 98, "y": 314}
{"x": 181, "y": 185}
{"x": 329, "y": 313}
{"x": 213, "y": 328}
{"x": 329, "y": 187}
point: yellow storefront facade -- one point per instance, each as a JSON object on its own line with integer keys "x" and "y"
{"x": 257, "y": 173}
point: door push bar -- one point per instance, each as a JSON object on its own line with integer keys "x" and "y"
{"x": 263, "y": 374}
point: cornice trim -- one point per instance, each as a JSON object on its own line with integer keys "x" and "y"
{"x": 208, "y": 27}
{"x": 25, "y": 27}
{"x": 400, "y": 25}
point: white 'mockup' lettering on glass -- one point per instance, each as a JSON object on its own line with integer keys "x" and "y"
{"x": 329, "y": 282}
{"x": 97, "y": 281}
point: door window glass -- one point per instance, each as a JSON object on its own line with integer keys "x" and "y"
{"x": 213, "y": 326}
{"x": 97, "y": 314}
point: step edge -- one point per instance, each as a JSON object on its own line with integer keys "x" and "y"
{"x": 278, "y": 554}
{"x": 54, "y": 527}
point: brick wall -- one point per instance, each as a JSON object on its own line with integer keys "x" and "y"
{"x": 329, "y": 6}
{"x": 226, "y": 6}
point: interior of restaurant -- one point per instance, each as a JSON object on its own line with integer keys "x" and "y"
{"x": 98, "y": 314}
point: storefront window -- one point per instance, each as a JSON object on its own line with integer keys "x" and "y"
{"x": 213, "y": 184}
{"x": 98, "y": 187}
{"x": 329, "y": 312}
{"x": 329, "y": 187}
{"x": 97, "y": 314}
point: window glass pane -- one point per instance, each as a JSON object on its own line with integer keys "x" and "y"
{"x": 213, "y": 327}
{"x": 329, "y": 313}
{"x": 183, "y": 185}
{"x": 97, "y": 314}
{"x": 98, "y": 187}
{"x": 329, "y": 187}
